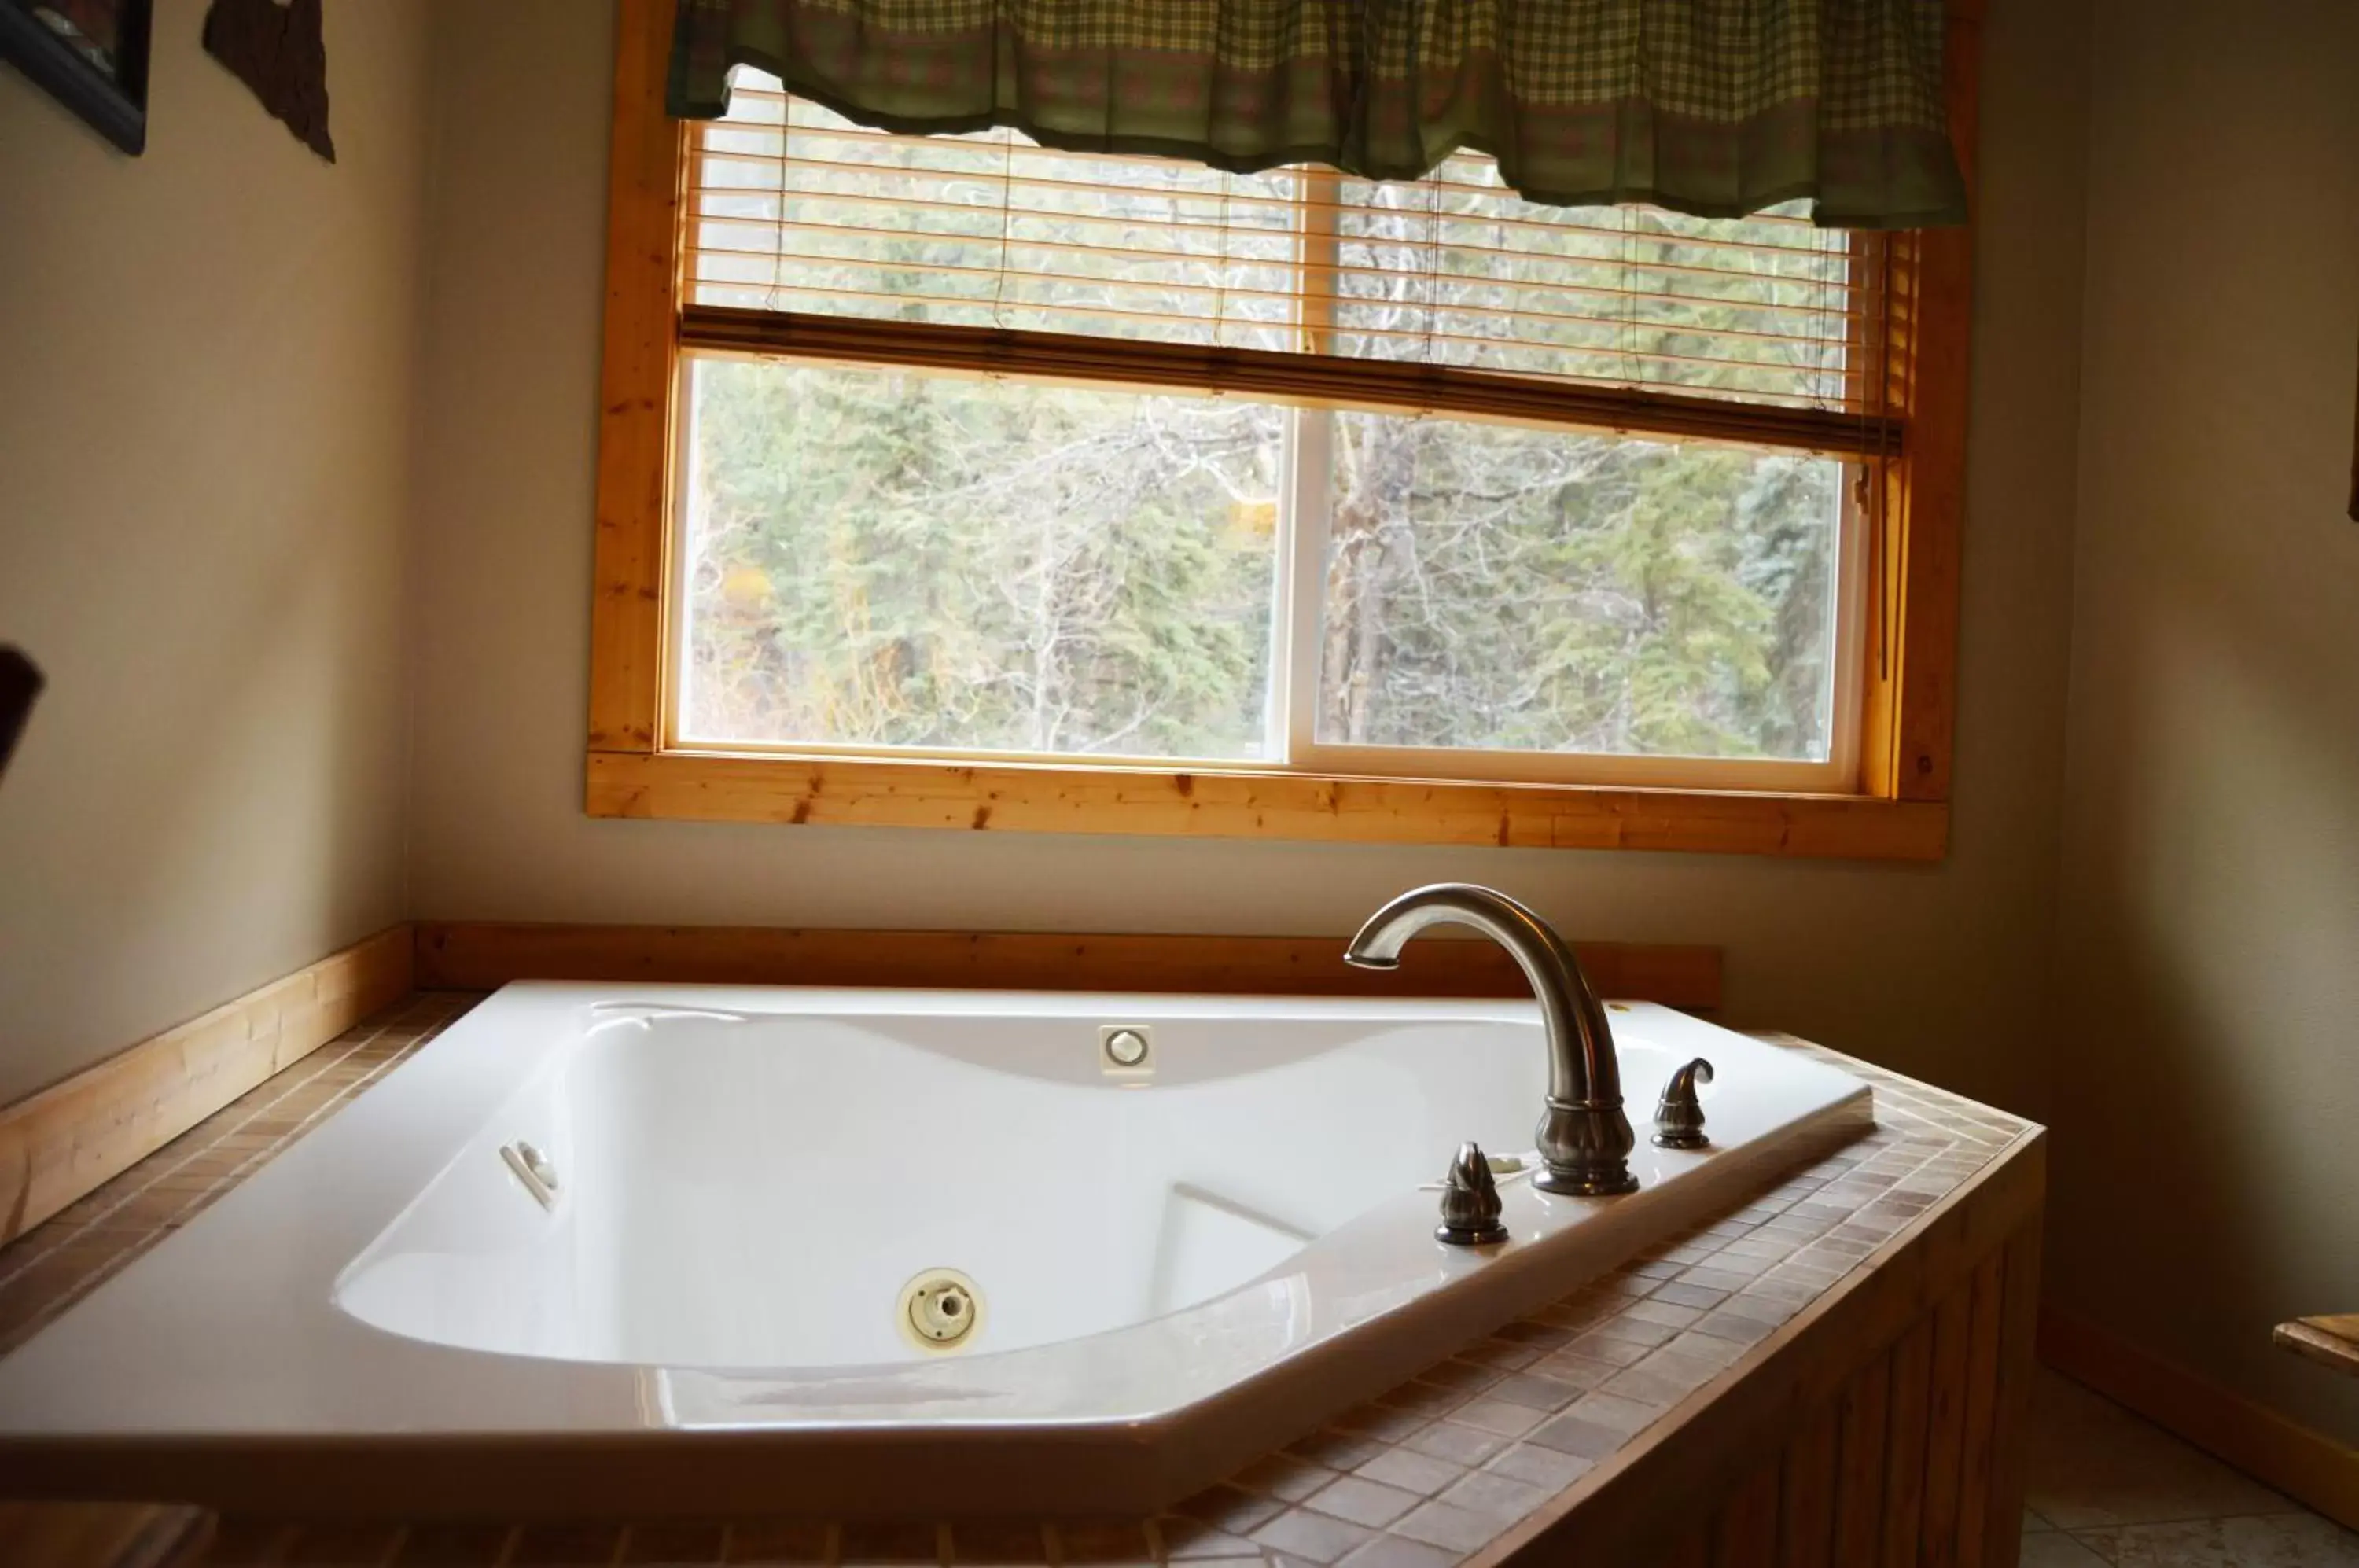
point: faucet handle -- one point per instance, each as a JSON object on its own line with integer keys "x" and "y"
{"x": 1470, "y": 1202}
{"x": 1679, "y": 1116}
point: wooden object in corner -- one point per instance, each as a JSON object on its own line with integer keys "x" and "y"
{"x": 2331, "y": 1341}
{"x": 481, "y": 956}
{"x": 104, "y": 1535}
{"x": 59, "y": 1143}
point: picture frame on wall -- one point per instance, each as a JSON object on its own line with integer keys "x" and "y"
{"x": 90, "y": 55}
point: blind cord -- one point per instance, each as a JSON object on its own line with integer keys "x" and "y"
{"x": 1006, "y": 225}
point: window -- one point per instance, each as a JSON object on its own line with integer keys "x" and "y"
{"x": 1111, "y": 492}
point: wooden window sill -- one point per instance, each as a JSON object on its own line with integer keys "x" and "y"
{"x": 1035, "y": 798}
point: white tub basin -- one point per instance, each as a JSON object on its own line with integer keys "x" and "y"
{"x": 1176, "y": 1267}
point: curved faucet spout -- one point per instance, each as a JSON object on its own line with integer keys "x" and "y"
{"x": 1584, "y": 1137}
{"x": 1582, "y": 1069}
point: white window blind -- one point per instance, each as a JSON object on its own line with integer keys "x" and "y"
{"x": 802, "y": 233}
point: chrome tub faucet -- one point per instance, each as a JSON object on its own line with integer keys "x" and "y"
{"x": 1584, "y": 1137}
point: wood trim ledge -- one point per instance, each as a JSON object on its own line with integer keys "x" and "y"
{"x": 857, "y": 792}
{"x": 484, "y": 956}
{"x": 59, "y": 1143}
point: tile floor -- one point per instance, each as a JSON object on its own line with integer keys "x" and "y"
{"x": 2108, "y": 1489}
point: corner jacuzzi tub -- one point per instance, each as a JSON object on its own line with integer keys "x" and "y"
{"x": 725, "y": 1249}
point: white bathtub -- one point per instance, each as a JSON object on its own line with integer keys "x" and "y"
{"x": 1177, "y": 1266}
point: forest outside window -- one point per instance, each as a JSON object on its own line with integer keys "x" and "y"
{"x": 959, "y": 480}
{"x": 892, "y": 558}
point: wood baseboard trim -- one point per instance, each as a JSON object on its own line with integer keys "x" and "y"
{"x": 483, "y": 955}
{"x": 2307, "y": 1465}
{"x": 59, "y": 1143}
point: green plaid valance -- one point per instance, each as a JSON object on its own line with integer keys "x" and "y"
{"x": 1711, "y": 107}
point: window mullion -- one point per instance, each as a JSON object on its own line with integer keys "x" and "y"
{"x": 1310, "y": 479}
{"x": 1309, "y": 497}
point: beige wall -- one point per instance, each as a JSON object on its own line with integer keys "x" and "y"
{"x": 1939, "y": 970}
{"x": 206, "y": 363}
{"x": 2207, "y": 1138}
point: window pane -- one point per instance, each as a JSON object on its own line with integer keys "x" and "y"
{"x": 1508, "y": 589}
{"x": 887, "y": 558}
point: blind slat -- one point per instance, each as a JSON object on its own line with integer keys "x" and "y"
{"x": 823, "y": 297}
{"x": 783, "y": 260}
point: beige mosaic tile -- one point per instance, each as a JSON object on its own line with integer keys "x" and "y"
{"x": 56, "y": 1263}
{"x": 1421, "y": 1476}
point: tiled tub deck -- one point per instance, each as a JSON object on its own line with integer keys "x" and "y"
{"x": 1431, "y": 1474}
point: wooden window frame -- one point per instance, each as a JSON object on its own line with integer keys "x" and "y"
{"x": 1900, "y": 810}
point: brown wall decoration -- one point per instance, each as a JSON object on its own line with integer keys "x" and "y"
{"x": 280, "y": 51}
